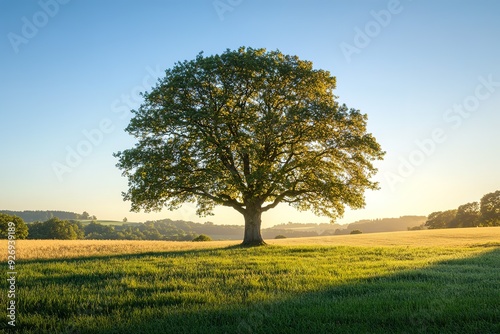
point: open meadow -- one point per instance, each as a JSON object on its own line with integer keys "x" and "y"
{"x": 433, "y": 281}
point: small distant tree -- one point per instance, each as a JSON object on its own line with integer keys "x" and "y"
{"x": 85, "y": 215}
{"x": 417, "y": 228}
{"x": 490, "y": 209}
{"x": 21, "y": 230}
{"x": 280, "y": 236}
{"x": 356, "y": 232}
{"x": 202, "y": 237}
{"x": 125, "y": 220}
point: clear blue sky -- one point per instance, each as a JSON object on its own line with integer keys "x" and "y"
{"x": 427, "y": 73}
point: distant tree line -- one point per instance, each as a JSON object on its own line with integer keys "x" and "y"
{"x": 41, "y": 216}
{"x": 402, "y": 223}
{"x": 475, "y": 214}
{"x": 148, "y": 231}
{"x": 72, "y": 229}
{"x": 56, "y": 228}
{"x": 384, "y": 224}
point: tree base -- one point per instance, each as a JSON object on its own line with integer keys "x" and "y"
{"x": 254, "y": 243}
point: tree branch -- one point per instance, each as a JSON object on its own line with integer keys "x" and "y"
{"x": 223, "y": 199}
{"x": 282, "y": 196}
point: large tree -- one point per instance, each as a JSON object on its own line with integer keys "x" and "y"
{"x": 248, "y": 129}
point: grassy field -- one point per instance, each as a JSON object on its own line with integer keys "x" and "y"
{"x": 445, "y": 281}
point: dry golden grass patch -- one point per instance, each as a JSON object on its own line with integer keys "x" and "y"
{"x": 53, "y": 249}
{"x": 446, "y": 238}
{"x": 50, "y": 249}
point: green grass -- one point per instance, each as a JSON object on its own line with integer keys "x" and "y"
{"x": 273, "y": 289}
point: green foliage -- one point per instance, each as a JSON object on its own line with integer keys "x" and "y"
{"x": 300, "y": 289}
{"x": 131, "y": 233}
{"x": 486, "y": 213}
{"x": 467, "y": 215}
{"x": 181, "y": 231}
{"x": 490, "y": 209}
{"x": 440, "y": 219}
{"x": 356, "y": 232}
{"x": 21, "y": 230}
{"x": 248, "y": 129}
{"x": 56, "y": 228}
{"x": 99, "y": 231}
{"x": 160, "y": 230}
{"x": 280, "y": 236}
{"x": 202, "y": 237}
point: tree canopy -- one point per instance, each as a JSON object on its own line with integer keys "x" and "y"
{"x": 490, "y": 209}
{"x": 485, "y": 213}
{"x": 21, "y": 230}
{"x": 441, "y": 219}
{"x": 467, "y": 215}
{"x": 248, "y": 129}
{"x": 56, "y": 228}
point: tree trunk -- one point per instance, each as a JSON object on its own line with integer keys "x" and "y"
{"x": 252, "y": 227}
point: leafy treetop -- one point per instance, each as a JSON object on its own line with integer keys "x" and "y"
{"x": 248, "y": 129}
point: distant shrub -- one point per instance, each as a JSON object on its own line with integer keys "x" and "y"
{"x": 280, "y": 236}
{"x": 356, "y": 232}
{"x": 417, "y": 228}
{"x": 202, "y": 237}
